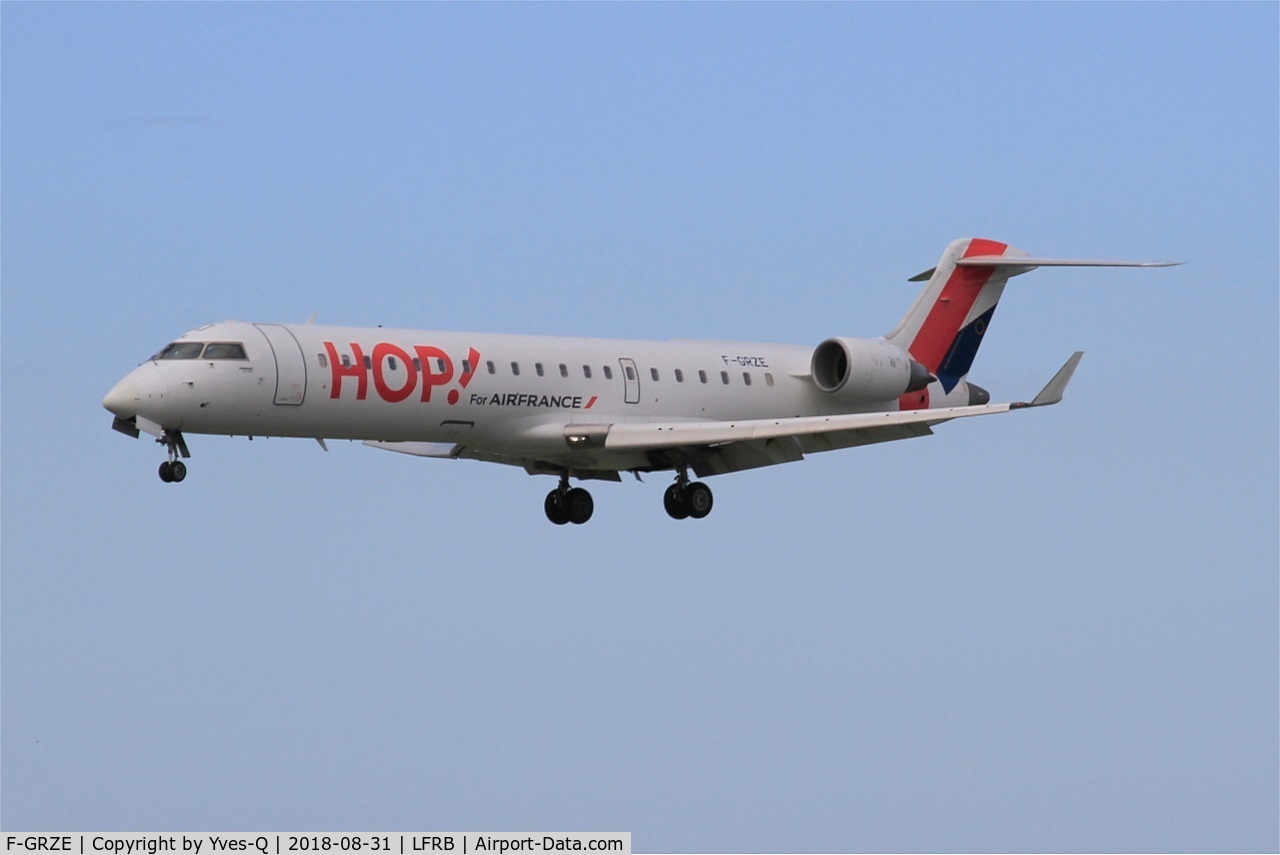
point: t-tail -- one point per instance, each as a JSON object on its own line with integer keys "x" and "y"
{"x": 946, "y": 324}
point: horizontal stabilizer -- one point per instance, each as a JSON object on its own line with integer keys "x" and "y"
{"x": 1025, "y": 264}
{"x": 1021, "y": 261}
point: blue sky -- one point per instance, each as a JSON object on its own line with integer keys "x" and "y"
{"x": 1049, "y": 631}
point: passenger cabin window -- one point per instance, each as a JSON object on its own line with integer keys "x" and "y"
{"x": 324, "y": 360}
{"x": 564, "y": 370}
{"x": 466, "y": 366}
{"x": 746, "y": 378}
{"x": 346, "y": 360}
{"x": 368, "y": 362}
{"x": 181, "y": 350}
{"x": 537, "y": 366}
{"x": 768, "y": 379}
{"x": 391, "y": 363}
{"x": 679, "y": 376}
{"x": 224, "y": 350}
{"x": 724, "y": 377}
{"x": 653, "y": 372}
{"x": 702, "y": 375}
{"x": 515, "y": 369}
{"x": 608, "y": 373}
{"x": 586, "y": 371}
{"x": 493, "y": 369}
{"x": 417, "y": 364}
{"x": 631, "y": 373}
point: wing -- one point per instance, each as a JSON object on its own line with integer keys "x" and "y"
{"x": 713, "y": 448}
{"x": 600, "y": 451}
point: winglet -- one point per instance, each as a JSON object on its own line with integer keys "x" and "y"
{"x": 1052, "y": 391}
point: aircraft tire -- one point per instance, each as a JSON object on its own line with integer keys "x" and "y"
{"x": 555, "y": 509}
{"x": 673, "y": 500}
{"x": 698, "y": 499}
{"x": 178, "y": 470}
{"x": 166, "y": 472}
{"x": 578, "y": 505}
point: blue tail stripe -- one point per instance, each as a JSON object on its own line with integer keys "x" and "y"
{"x": 964, "y": 347}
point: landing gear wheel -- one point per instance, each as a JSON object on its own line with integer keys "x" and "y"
{"x": 697, "y": 498}
{"x": 674, "y": 502}
{"x": 173, "y": 469}
{"x": 554, "y": 506}
{"x": 579, "y": 505}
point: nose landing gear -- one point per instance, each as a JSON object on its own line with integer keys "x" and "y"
{"x": 173, "y": 470}
{"x": 565, "y": 505}
{"x": 686, "y": 498}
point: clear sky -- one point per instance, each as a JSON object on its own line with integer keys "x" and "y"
{"x": 1046, "y": 631}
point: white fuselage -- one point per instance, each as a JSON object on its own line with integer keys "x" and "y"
{"x": 510, "y": 394}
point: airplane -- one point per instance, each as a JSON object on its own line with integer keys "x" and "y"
{"x": 589, "y": 409}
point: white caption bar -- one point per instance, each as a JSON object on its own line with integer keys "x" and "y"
{"x": 241, "y": 843}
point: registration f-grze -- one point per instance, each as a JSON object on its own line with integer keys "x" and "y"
{"x": 588, "y": 409}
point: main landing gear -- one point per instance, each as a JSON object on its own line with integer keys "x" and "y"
{"x": 683, "y": 499}
{"x": 565, "y": 505}
{"x": 173, "y": 470}
{"x": 687, "y": 498}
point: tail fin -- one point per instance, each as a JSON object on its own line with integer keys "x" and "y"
{"x": 945, "y": 325}
{"x": 948, "y": 320}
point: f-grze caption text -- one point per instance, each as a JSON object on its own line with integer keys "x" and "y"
{"x": 450, "y": 843}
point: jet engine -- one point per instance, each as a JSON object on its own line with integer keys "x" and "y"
{"x": 860, "y": 369}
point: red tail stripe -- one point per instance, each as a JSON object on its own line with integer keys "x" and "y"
{"x": 952, "y": 306}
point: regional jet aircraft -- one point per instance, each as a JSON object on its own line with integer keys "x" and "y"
{"x": 588, "y": 409}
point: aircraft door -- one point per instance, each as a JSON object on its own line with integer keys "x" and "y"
{"x": 631, "y": 379}
{"x": 291, "y": 366}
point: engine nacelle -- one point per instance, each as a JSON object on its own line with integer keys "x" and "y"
{"x": 860, "y": 369}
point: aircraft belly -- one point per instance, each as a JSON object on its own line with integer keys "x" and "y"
{"x": 603, "y": 462}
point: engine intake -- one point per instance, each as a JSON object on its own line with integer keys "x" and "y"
{"x": 860, "y": 369}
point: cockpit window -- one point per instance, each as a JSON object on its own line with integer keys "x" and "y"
{"x": 181, "y": 350}
{"x": 224, "y": 350}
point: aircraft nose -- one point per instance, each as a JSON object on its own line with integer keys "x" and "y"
{"x": 123, "y": 399}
